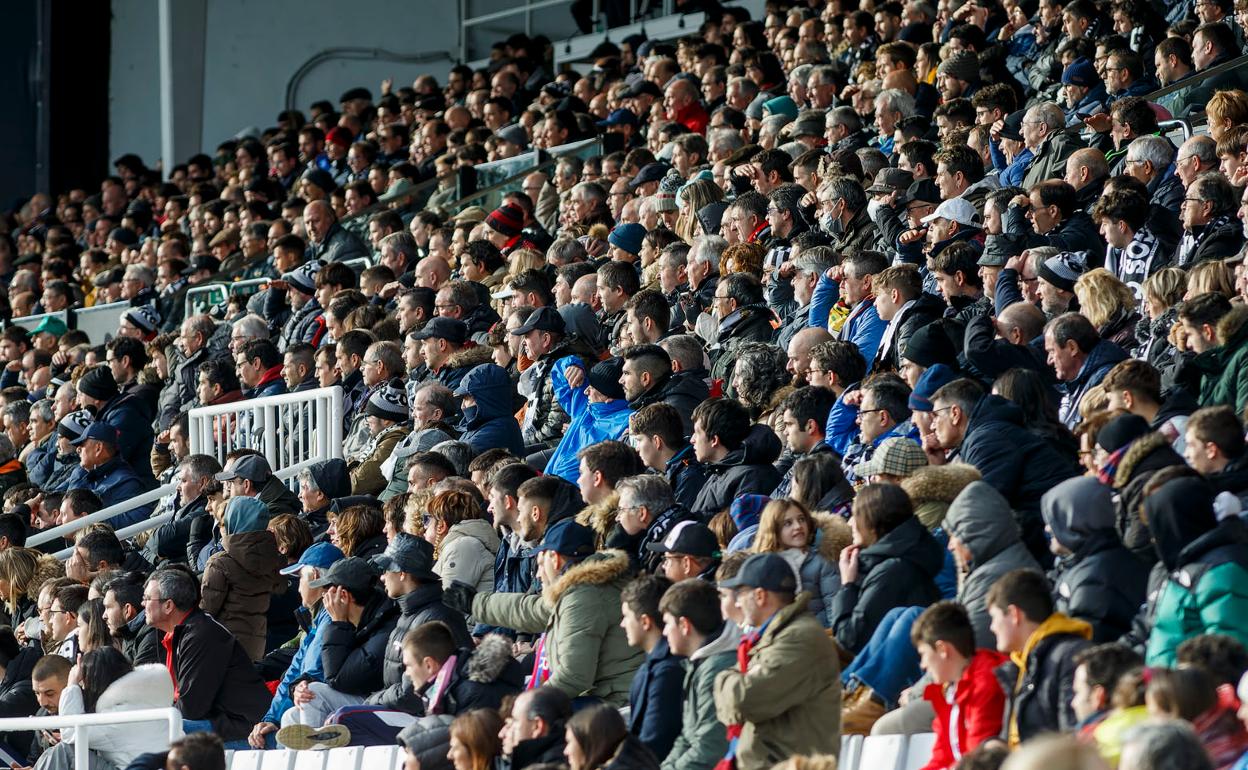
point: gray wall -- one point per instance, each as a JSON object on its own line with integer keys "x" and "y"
{"x": 253, "y": 48}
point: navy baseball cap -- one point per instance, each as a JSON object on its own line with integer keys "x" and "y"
{"x": 567, "y": 538}
{"x": 319, "y": 555}
{"x": 620, "y": 117}
{"x": 767, "y": 571}
{"x": 452, "y": 330}
{"x": 100, "y": 431}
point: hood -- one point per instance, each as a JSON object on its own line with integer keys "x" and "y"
{"x": 1147, "y": 453}
{"x": 470, "y": 356}
{"x": 490, "y": 658}
{"x": 146, "y": 687}
{"x": 601, "y": 516}
{"x": 1102, "y": 358}
{"x": 567, "y": 502}
{"x": 981, "y": 518}
{"x": 762, "y": 446}
{"x": 686, "y": 384}
{"x": 933, "y": 487}
{"x": 993, "y": 408}
{"x": 1178, "y": 513}
{"x": 727, "y": 640}
{"x": 581, "y": 323}
{"x": 832, "y": 535}
{"x": 1055, "y": 624}
{"x": 256, "y": 554}
{"x": 245, "y": 514}
{"x": 1078, "y": 510}
{"x": 911, "y": 542}
{"x": 492, "y": 388}
{"x": 602, "y": 568}
{"x": 477, "y": 529}
{"x": 1232, "y": 327}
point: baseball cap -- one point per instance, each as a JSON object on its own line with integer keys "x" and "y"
{"x": 957, "y": 210}
{"x": 767, "y": 571}
{"x": 897, "y": 456}
{"x": 891, "y": 179}
{"x": 567, "y": 538}
{"x": 620, "y": 117}
{"x": 352, "y": 573}
{"x": 202, "y": 262}
{"x": 319, "y": 555}
{"x": 100, "y": 431}
{"x": 52, "y": 325}
{"x": 545, "y": 319}
{"x": 452, "y": 330}
{"x": 254, "y": 468}
{"x": 410, "y": 554}
{"x": 689, "y": 538}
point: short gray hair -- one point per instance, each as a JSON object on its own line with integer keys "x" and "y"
{"x": 18, "y": 411}
{"x": 142, "y": 273}
{"x": 896, "y": 100}
{"x": 1202, "y": 147}
{"x": 1047, "y": 113}
{"x": 1153, "y": 149}
{"x": 403, "y": 243}
{"x": 1212, "y": 186}
{"x": 202, "y": 466}
{"x": 725, "y": 139}
{"x": 178, "y": 585}
{"x": 458, "y": 452}
{"x": 685, "y": 349}
{"x": 1165, "y": 745}
{"x": 708, "y": 248}
{"x": 252, "y": 326}
{"x": 44, "y": 408}
{"x": 816, "y": 259}
{"x": 649, "y": 490}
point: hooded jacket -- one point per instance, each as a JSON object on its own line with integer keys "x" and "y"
{"x": 1143, "y": 459}
{"x": 580, "y": 615}
{"x": 1100, "y": 581}
{"x": 481, "y": 677}
{"x": 490, "y": 423}
{"x": 1206, "y": 588}
{"x": 898, "y": 570}
{"x": 977, "y": 706}
{"x": 214, "y": 678}
{"x": 467, "y": 553}
{"x": 788, "y": 700}
{"x": 747, "y": 469}
{"x": 240, "y": 579}
{"x": 416, "y": 608}
{"x": 681, "y": 390}
{"x": 591, "y": 423}
{"x": 352, "y": 655}
{"x": 546, "y": 417}
{"x": 980, "y": 518}
{"x": 1038, "y": 680}
{"x": 114, "y": 482}
{"x": 1224, "y": 369}
{"x": 702, "y": 740}
{"x": 817, "y": 568}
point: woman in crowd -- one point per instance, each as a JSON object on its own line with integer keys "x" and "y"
{"x": 464, "y": 542}
{"x": 596, "y": 737}
{"x": 475, "y": 739}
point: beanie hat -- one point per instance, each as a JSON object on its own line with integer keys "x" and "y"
{"x": 963, "y": 65}
{"x": 665, "y": 198}
{"x": 1081, "y": 72}
{"x": 711, "y": 215}
{"x": 507, "y": 219}
{"x": 781, "y": 105}
{"x": 628, "y": 237}
{"x": 1120, "y": 431}
{"x": 321, "y": 178}
{"x": 74, "y": 424}
{"x": 935, "y": 378}
{"x": 145, "y": 317}
{"x": 389, "y": 402}
{"x": 605, "y": 377}
{"x": 1063, "y": 269}
{"x": 339, "y": 136}
{"x": 303, "y": 278}
{"x": 98, "y": 383}
{"x": 929, "y": 346}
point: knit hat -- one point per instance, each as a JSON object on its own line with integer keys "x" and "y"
{"x": 781, "y": 105}
{"x": 1081, "y": 72}
{"x": 1013, "y": 126}
{"x": 754, "y": 110}
{"x": 1120, "y": 431}
{"x": 331, "y": 477}
{"x": 123, "y": 235}
{"x": 1063, "y": 269}
{"x": 747, "y": 510}
{"x": 929, "y": 346}
{"x": 339, "y": 136}
{"x": 604, "y": 377}
{"x": 935, "y": 378}
{"x": 303, "y": 278}
{"x": 321, "y": 178}
{"x": 98, "y": 383}
{"x": 74, "y": 424}
{"x": 514, "y": 134}
{"x": 388, "y": 402}
{"x": 145, "y": 317}
{"x": 665, "y": 198}
{"x": 628, "y": 237}
{"x": 507, "y": 219}
{"x": 963, "y": 65}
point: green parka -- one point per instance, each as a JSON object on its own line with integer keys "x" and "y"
{"x": 1224, "y": 369}
{"x": 703, "y": 739}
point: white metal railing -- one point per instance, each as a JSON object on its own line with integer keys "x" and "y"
{"x": 291, "y": 430}
{"x": 81, "y": 724}
{"x": 104, "y": 514}
{"x": 203, "y": 296}
{"x": 29, "y": 322}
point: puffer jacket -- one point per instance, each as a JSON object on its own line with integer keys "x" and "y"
{"x": 466, "y": 554}
{"x": 239, "y": 580}
{"x": 788, "y": 700}
{"x": 366, "y": 475}
{"x": 1038, "y": 680}
{"x": 352, "y": 656}
{"x": 898, "y": 570}
{"x": 481, "y": 677}
{"x": 1099, "y": 580}
{"x": 932, "y": 489}
{"x": 818, "y": 566}
{"x": 980, "y": 518}
{"x": 681, "y": 390}
{"x": 702, "y": 740}
{"x": 415, "y": 609}
{"x": 490, "y": 423}
{"x": 146, "y": 687}
{"x": 545, "y": 417}
{"x": 1143, "y": 459}
{"x": 580, "y": 615}
{"x": 1224, "y": 369}
{"x": 745, "y": 470}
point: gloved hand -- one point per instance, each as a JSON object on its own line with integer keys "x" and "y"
{"x": 458, "y": 596}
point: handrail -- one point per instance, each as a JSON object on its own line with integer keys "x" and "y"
{"x": 1197, "y": 77}
{"x": 61, "y": 530}
{"x": 555, "y": 156}
{"x": 82, "y": 737}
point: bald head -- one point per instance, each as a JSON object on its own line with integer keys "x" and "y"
{"x": 432, "y": 272}
{"x": 1021, "y": 323}
{"x": 682, "y": 89}
{"x": 1084, "y": 166}
{"x": 584, "y": 288}
{"x": 800, "y": 347}
{"x": 318, "y": 217}
{"x": 902, "y": 80}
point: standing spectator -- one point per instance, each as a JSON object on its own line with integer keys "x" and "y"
{"x": 239, "y": 580}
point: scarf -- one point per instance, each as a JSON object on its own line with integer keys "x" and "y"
{"x": 1106, "y": 473}
{"x": 729, "y": 762}
{"x": 1133, "y": 264}
{"x": 1192, "y": 240}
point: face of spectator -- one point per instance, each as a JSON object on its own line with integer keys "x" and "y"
{"x": 62, "y": 622}
{"x": 1066, "y": 360}
{"x": 249, "y": 373}
{"x": 873, "y": 422}
{"x": 1196, "y": 212}
{"x": 48, "y": 692}
{"x": 316, "y": 220}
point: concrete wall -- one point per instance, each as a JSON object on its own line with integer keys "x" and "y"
{"x": 253, "y": 47}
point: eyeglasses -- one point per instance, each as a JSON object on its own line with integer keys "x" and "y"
{"x": 862, "y": 412}
{"x": 936, "y": 412}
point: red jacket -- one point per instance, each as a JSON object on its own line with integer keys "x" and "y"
{"x": 981, "y": 706}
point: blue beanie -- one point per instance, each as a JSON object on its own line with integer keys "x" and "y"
{"x": 930, "y": 381}
{"x": 1081, "y": 72}
{"x": 627, "y": 237}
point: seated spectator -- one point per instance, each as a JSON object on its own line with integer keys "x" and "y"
{"x": 648, "y": 378}
{"x": 486, "y": 405}
{"x": 127, "y": 621}
{"x": 1098, "y": 671}
{"x": 251, "y": 476}
{"x": 534, "y": 733}
{"x": 463, "y": 539}
{"x": 656, "y": 433}
{"x": 655, "y": 693}
{"x": 386, "y": 416}
{"x": 103, "y": 471}
{"x": 598, "y": 413}
{"x": 170, "y": 540}
{"x": 597, "y": 737}
{"x": 811, "y": 545}
{"x": 735, "y": 459}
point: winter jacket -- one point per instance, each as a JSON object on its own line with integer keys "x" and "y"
{"x": 980, "y": 518}
{"x": 745, "y": 470}
{"x": 545, "y": 416}
{"x": 467, "y": 553}
{"x": 924, "y": 311}
{"x": 416, "y": 608}
{"x": 352, "y": 656}
{"x": 989, "y": 357}
{"x": 978, "y": 703}
{"x": 702, "y": 740}
{"x": 632, "y": 754}
{"x": 590, "y": 423}
{"x": 788, "y": 700}
{"x": 861, "y": 233}
{"x": 40, "y": 461}
{"x": 686, "y": 476}
{"x": 146, "y": 687}
{"x": 863, "y": 327}
{"x": 932, "y": 489}
{"x": 1143, "y": 459}
{"x": 898, "y": 570}
{"x": 339, "y": 245}
{"x": 751, "y": 323}
{"x": 115, "y": 482}
{"x": 1019, "y": 464}
{"x": 140, "y": 642}
{"x": 1220, "y": 239}
{"x": 1224, "y": 369}
{"x": 490, "y": 423}
{"x": 1038, "y": 680}
{"x": 480, "y": 677}
{"x": 277, "y": 496}
{"x": 1206, "y": 561}
{"x": 305, "y": 325}
{"x": 214, "y": 677}
{"x": 169, "y": 540}
{"x": 681, "y": 390}
{"x": 180, "y": 392}
{"x": 644, "y": 559}
{"x": 1050, "y": 160}
{"x": 17, "y": 695}
{"x": 305, "y": 665}
{"x": 239, "y": 580}
{"x": 132, "y": 416}
{"x": 366, "y": 475}
{"x": 580, "y": 615}
{"x": 1102, "y": 358}
{"x": 654, "y": 699}
{"x": 1075, "y": 233}
{"x": 1099, "y": 581}
{"x": 818, "y": 566}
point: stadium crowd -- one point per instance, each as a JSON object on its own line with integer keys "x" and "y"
{"x": 881, "y": 369}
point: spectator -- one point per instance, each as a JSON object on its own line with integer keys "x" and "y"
{"x": 656, "y": 688}
{"x": 105, "y": 472}
{"x": 464, "y": 542}
{"x": 811, "y": 546}
{"x": 735, "y": 459}
{"x": 239, "y": 580}
{"x": 486, "y": 407}
{"x": 127, "y": 620}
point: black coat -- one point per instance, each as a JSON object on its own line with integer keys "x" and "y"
{"x": 141, "y": 642}
{"x": 352, "y": 656}
{"x": 415, "y": 609}
{"x": 17, "y": 696}
{"x": 654, "y": 699}
{"x": 483, "y": 676}
{"x": 925, "y": 310}
{"x": 681, "y": 390}
{"x": 170, "y": 540}
{"x": 745, "y": 470}
{"x": 1101, "y": 582}
{"x": 1042, "y": 702}
{"x": 215, "y": 679}
{"x": 898, "y": 570}
{"x": 989, "y": 357}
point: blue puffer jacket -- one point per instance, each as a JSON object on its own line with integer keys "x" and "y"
{"x": 114, "y": 482}
{"x": 491, "y": 422}
{"x": 591, "y": 422}
{"x": 40, "y": 462}
{"x": 133, "y": 421}
{"x": 305, "y": 665}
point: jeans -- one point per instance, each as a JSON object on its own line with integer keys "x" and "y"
{"x": 889, "y": 663}
{"x": 317, "y": 711}
{"x": 205, "y": 726}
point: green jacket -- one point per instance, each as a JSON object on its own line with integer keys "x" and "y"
{"x": 580, "y": 613}
{"x": 1224, "y": 369}
{"x": 1197, "y": 601}
{"x": 789, "y": 700}
{"x": 703, "y": 739}
{"x": 1050, "y": 161}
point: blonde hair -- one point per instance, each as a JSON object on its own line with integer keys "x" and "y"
{"x": 696, "y": 195}
{"x": 414, "y": 511}
{"x": 1102, "y": 296}
{"x": 770, "y": 523}
{"x": 1229, "y": 106}
{"x": 1166, "y": 286}
{"x": 1212, "y": 275}
{"x": 524, "y": 259}
{"x": 26, "y": 570}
